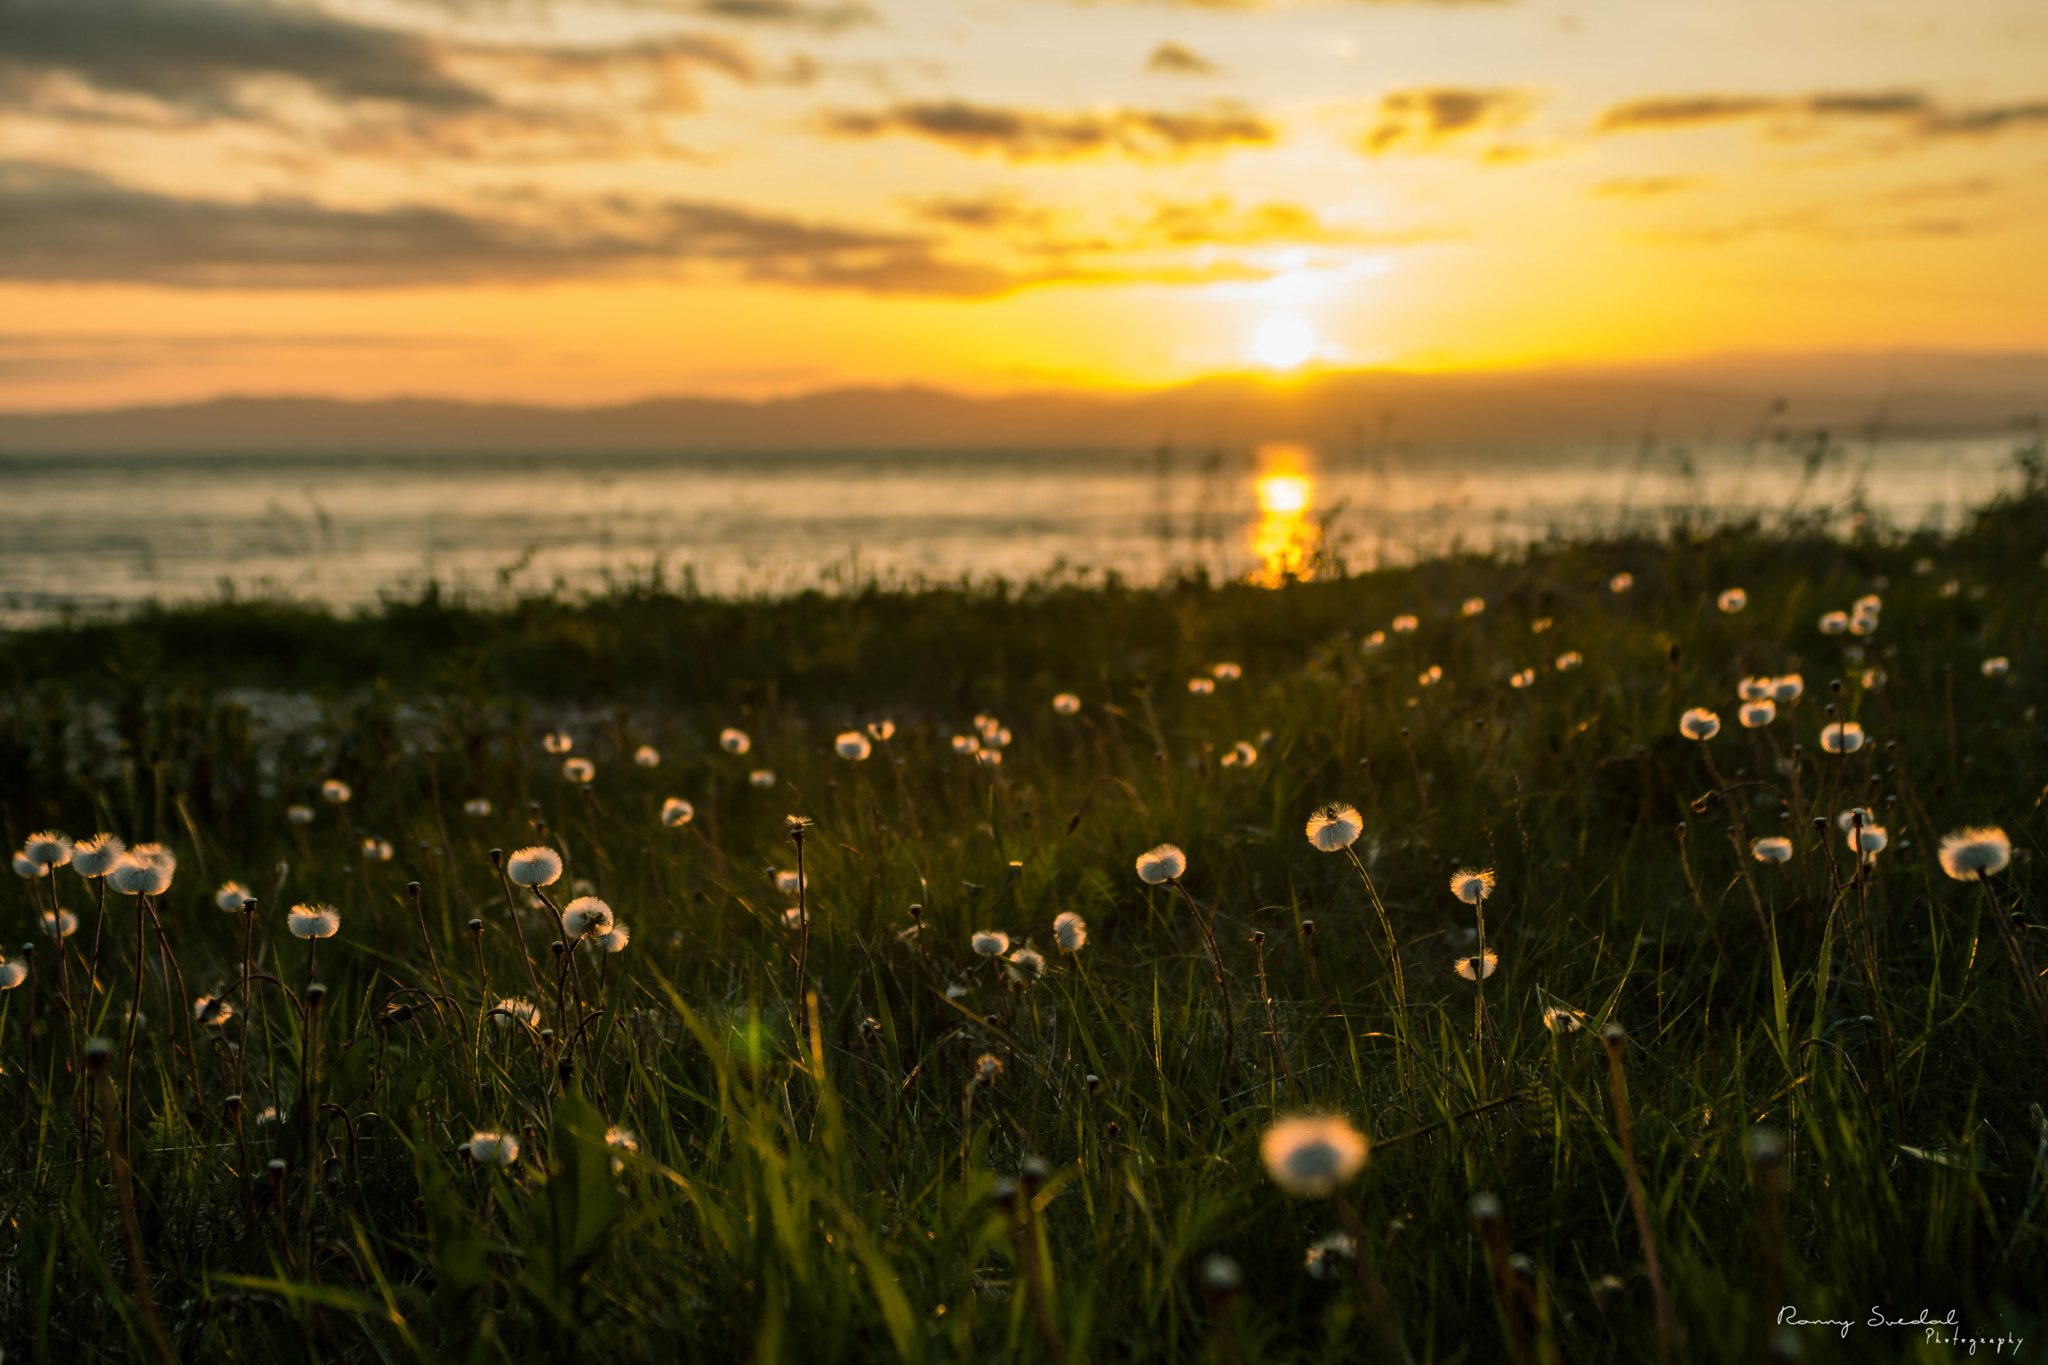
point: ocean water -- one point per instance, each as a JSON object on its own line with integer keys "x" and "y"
{"x": 98, "y": 533}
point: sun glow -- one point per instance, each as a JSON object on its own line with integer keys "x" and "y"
{"x": 1284, "y": 539}
{"x": 1283, "y": 342}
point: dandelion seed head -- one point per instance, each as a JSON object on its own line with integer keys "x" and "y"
{"x": 1539, "y": 625}
{"x": 61, "y": 925}
{"x": 208, "y": 1010}
{"x": 1201, "y": 687}
{"x": 1699, "y": 723}
{"x": 1787, "y": 689}
{"x": 1996, "y": 668}
{"x": 1560, "y": 1020}
{"x": 614, "y": 940}
{"x": 1240, "y": 755}
{"x": 335, "y": 792}
{"x": 313, "y": 921}
{"x": 647, "y": 756}
{"x": 1376, "y": 640}
{"x": 1472, "y": 884}
{"x": 477, "y": 806}
{"x": 377, "y": 850}
{"x": 536, "y": 866}
{"x": 231, "y": 895}
{"x": 1968, "y": 854}
{"x": 1335, "y": 826}
{"x": 1732, "y": 600}
{"x": 761, "y": 777}
{"x": 1066, "y": 704}
{"x": 1312, "y": 1155}
{"x": 95, "y": 857}
{"x": 1621, "y": 583}
{"x": 881, "y": 731}
{"x": 1330, "y": 1256}
{"x": 139, "y": 873}
{"x": 488, "y": 1148}
{"x": 1070, "y": 931}
{"x": 299, "y": 815}
{"x": 987, "y": 1067}
{"x": 1843, "y": 737}
{"x": 734, "y": 741}
{"x": 48, "y": 848}
{"x": 1404, "y": 624}
{"x": 25, "y": 866}
{"x": 991, "y": 942}
{"x": 1161, "y": 864}
{"x": 1834, "y": 623}
{"x": 1754, "y": 689}
{"x": 1754, "y": 715}
{"x": 1474, "y": 606}
{"x": 1566, "y": 662}
{"x": 1027, "y": 964}
{"x": 12, "y": 974}
{"x": 1227, "y": 672}
{"x": 1477, "y": 968}
{"x": 676, "y": 811}
{"x": 1869, "y": 840}
{"x": 1771, "y": 850}
{"x": 853, "y": 746}
{"x": 1525, "y": 678}
{"x": 579, "y": 770}
{"x": 516, "y": 1011}
{"x": 586, "y": 915}
{"x": 557, "y": 742}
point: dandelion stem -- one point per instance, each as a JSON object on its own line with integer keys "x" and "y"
{"x": 1216, "y": 956}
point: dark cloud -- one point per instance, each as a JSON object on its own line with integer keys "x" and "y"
{"x": 827, "y": 17}
{"x": 1034, "y": 135}
{"x": 1905, "y": 110}
{"x": 1425, "y": 119}
{"x": 199, "y": 52}
{"x": 58, "y": 223}
{"x": 985, "y": 213}
{"x": 1174, "y": 60}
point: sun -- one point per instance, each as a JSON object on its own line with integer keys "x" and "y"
{"x": 1283, "y": 342}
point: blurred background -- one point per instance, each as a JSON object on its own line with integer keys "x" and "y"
{"x": 327, "y": 300}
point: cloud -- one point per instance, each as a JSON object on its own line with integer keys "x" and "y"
{"x": 1033, "y": 135}
{"x": 1174, "y": 60}
{"x": 1424, "y": 120}
{"x": 58, "y": 223}
{"x": 1221, "y": 221}
{"x": 985, "y": 213}
{"x": 1644, "y": 187}
{"x": 1906, "y": 110}
{"x": 200, "y": 52}
{"x": 827, "y": 17}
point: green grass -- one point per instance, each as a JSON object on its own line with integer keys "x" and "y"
{"x": 842, "y": 1196}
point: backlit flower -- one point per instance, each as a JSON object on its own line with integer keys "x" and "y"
{"x": 140, "y": 875}
{"x": 991, "y": 943}
{"x": 1525, "y": 678}
{"x": 49, "y": 849}
{"x": 966, "y": 744}
{"x": 586, "y": 915}
{"x": 1066, "y": 703}
{"x": 1787, "y": 689}
{"x": 1201, "y": 687}
{"x": 477, "y": 805}
{"x": 12, "y": 974}
{"x": 209, "y": 1010}
{"x": 95, "y": 857}
{"x": 1843, "y": 737}
{"x": 761, "y": 777}
{"x": 1473, "y": 606}
{"x": 335, "y": 792}
{"x": 1240, "y": 755}
{"x": 647, "y": 756}
{"x": 1431, "y": 676}
{"x": 1404, "y": 624}
{"x": 987, "y": 1067}
{"x": 557, "y": 742}
{"x": 493, "y": 1149}
{"x": 25, "y": 866}
{"x": 1161, "y": 864}
{"x": 1755, "y": 715}
{"x": 1070, "y": 931}
{"x": 1472, "y": 884}
{"x": 1560, "y": 1020}
{"x": 509, "y": 1012}
{"x": 787, "y": 881}
{"x": 1621, "y": 583}
{"x": 1971, "y": 853}
{"x": 1227, "y": 672}
{"x": 1475, "y": 968}
{"x": 881, "y": 731}
{"x": 1027, "y": 964}
{"x": 535, "y": 866}
{"x": 853, "y": 746}
{"x": 1754, "y": 689}
{"x": 313, "y": 921}
{"x": 231, "y": 895}
{"x": 1771, "y": 850}
{"x": 613, "y": 940}
{"x": 1732, "y": 600}
{"x": 299, "y": 815}
{"x": 1834, "y": 623}
{"x": 676, "y": 811}
{"x": 1699, "y": 723}
{"x": 61, "y": 925}
{"x": 377, "y": 850}
{"x": 1335, "y": 826}
{"x": 734, "y": 741}
{"x": 1312, "y": 1155}
{"x": 1996, "y": 668}
{"x": 1331, "y": 1256}
{"x": 1568, "y": 661}
{"x": 1869, "y": 841}
{"x": 1375, "y": 640}
{"x": 579, "y": 770}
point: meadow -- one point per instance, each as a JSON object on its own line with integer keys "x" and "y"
{"x": 894, "y": 1032}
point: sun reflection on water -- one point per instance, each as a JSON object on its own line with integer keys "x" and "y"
{"x": 1284, "y": 538}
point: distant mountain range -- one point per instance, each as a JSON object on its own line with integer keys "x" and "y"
{"x": 1900, "y": 393}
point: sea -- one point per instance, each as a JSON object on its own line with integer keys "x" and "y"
{"x": 91, "y": 535}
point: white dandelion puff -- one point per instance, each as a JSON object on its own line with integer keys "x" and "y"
{"x": 487, "y": 1148}
{"x": 1754, "y": 689}
{"x": 557, "y": 742}
{"x": 1843, "y": 737}
{"x": 231, "y": 895}
{"x": 48, "y": 849}
{"x": 1787, "y": 689}
{"x": 1732, "y": 600}
{"x": 991, "y": 942}
{"x": 882, "y": 731}
{"x": 1472, "y": 884}
{"x": 335, "y": 792}
{"x": 299, "y": 815}
{"x": 477, "y": 805}
{"x": 1771, "y": 850}
{"x": 761, "y": 777}
{"x": 1568, "y": 661}
{"x": 1754, "y": 715}
{"x": 1474, "y": 606}
{"x": 313, "y": 921}
{"x": 1227, "y": 672}
{"x": 1968, "y": 854}
{"x": 734, "y": 741}
{"x": 1066, "y": 704}
{"x": 1404, "y": 624}
{"x": 1995, "y": 668}
{"x": 516, "y": 1011}
{"x": 1699, "y": 723}
{"x": 1335, "y": 826}
{"x": 647, "y": 756}
{"x": 1161, "y": 864}
{"x": 1070, "y": 931}
{"x": 61, "y": 925}
{"x": 95, "y": 857}
{"x": 1312, "y": 1155}
{"x": 586, "y": 915}
{"x": 1201, "y": 687}
{"x": 853, "y": 746}
{"x": 1621, "y": 583}
{"x": 1834, "y": 623}
{"x": 531, "y": 867}
{"x": 676, "y": 811}
{"x": 1477, "y": 968}
{"x": 580, "y": 770}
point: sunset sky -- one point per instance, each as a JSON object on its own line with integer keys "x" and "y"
{"x": 588, "y": 200}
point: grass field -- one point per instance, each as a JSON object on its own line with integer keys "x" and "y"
{"x": 1826, "y": 1093}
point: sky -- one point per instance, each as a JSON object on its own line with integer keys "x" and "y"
{"x": 589, "y": 201}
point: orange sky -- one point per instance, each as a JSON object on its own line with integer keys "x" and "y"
{"x": 587, "y": 200}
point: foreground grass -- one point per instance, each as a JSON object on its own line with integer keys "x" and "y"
{"x": 830, "y": 1170}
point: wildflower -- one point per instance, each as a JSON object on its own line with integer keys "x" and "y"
{"x": 138, "y": 874}
{"x": 95, "y": 857}
{"x": 299, "y": 815}
{"x": 61, "y": 925}
{"x": 1873, "y": 678}
{"x": 377, "y": 850}
{"x": 207, "y": 1010}
{"x": 585, "y": 915}
{"x": 987, "y": 1067}
{"x": 1754, "y": 689}
{"x": 579, "y": 770}
{"x": 1312, "y": 1155}
{"x": 1027, "y": 964}
{"x": 1070, "y": 931}
{"x": 477, "y": 805}
{"x": 1754, "y": 715}
{"x": 991, "y": 943}
{"x": 557, "y": 742}
{"x": 882, "y": 731}
{"x": 1621, "y": 583}
{"x": 1732, "y": 601}
{"x": 1472, "y": 885}
{"x": 676, "y": 811}
{"x": 1066, "y": 703}
{"x": 853, "y": 746}
{"x": 1846, "y": 820}
{"x": 613, "y": 940}
{"x": 1951, "y": 588}
{"x": 1335, "y": 826}
{"x": 313, "y": 921}
{"x": 25, "y": 866}
{"x": 1972, "y": 853}
{"x": 335, "y": 792}
{"x": 621, "y": 1140}
{"x": 1404, "y": 624}
{"x": 1430, "y": 676}
{"x": 1699, "y": 723}
{"x": 1476, "y": 968}
{"x": 1996, "y": 668}
{"x": 1787, "y": 689}
{"x": 48, "y": 849}
{"x": 1869, "y": 841}
{"x": 1474, "y": 606}
{"x": 1560, "y": 1020}
{"x": 787, "y": 881}
{"x": 1327, "y": 1252}
{"x": 1240, "y": 755}
{"x": 509, "y": 1012}
{"x": 1869, "y": 605}
{"x": 1568, "y": 661}
{"x": 1539, "y": 625}
{"x": 12, "y": 974}
{"x": 1834, "y": 623}
{"x": 1525, "y": 678}
{"x": 231, "y": 895}
{"x": 1843, "y": 737}
{"x": 990, "y": 758}
{"x": 1201, "y": 687}
{"x": 647, "y": 756}
{"x": 156, "y": 855}
{"x": 734, "y": 741}
{"x": 1161, "y": 864}
{"x": 1861, "y": 624}
{"x": 761, "y": 777}
{"x": 1227, "y": 672}
{"x": 537, "y": 866}
{"x": 493, "y": 1149}
{"x": 1375, "y": 640}
{"x": 1771, "y": 850}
